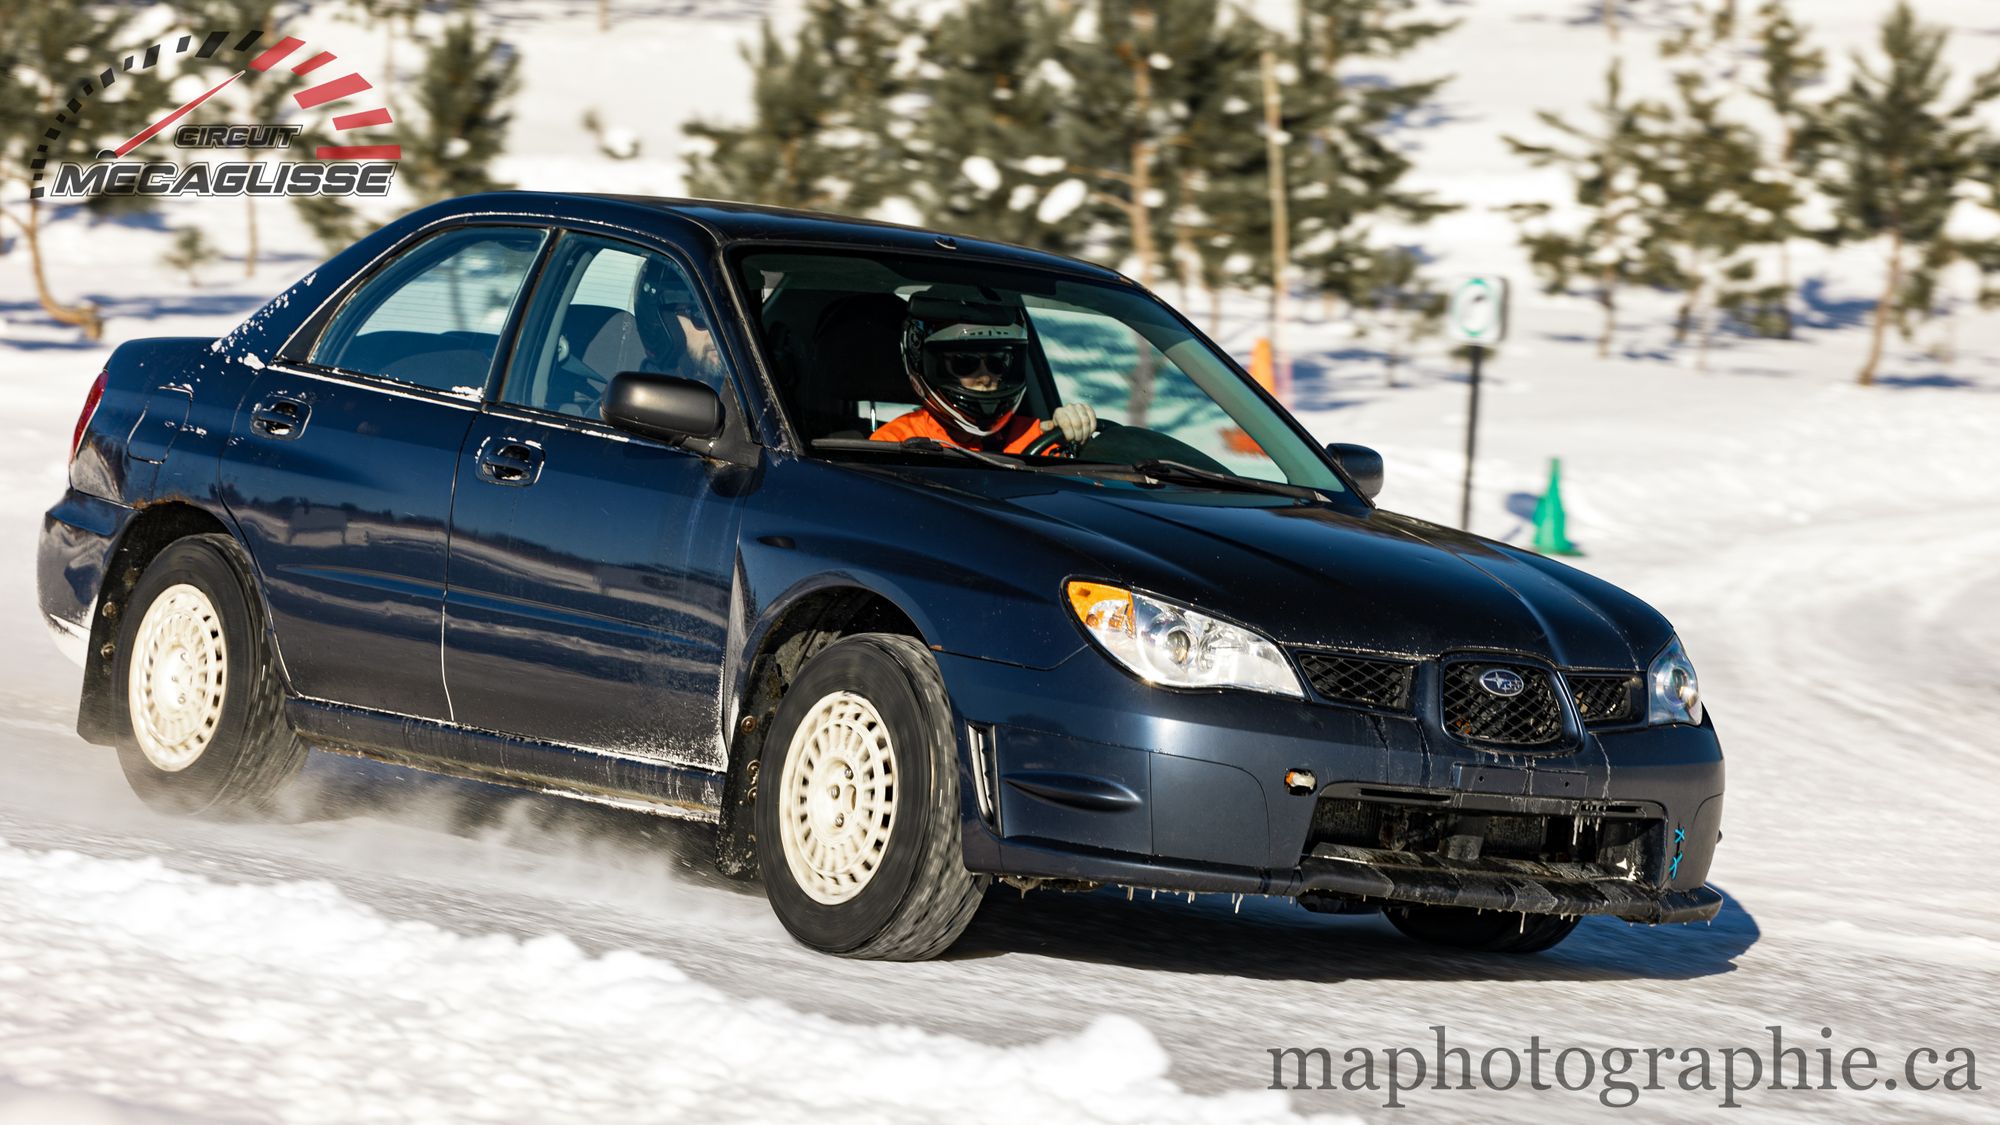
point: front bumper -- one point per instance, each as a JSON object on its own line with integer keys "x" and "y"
{"x": 1082, "y": 773}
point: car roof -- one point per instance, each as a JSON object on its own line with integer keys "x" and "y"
{"x": 748, "y": 222}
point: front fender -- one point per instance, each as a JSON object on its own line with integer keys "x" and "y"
{"x": 956, "y": 609}
{"x": 973, "y": 585}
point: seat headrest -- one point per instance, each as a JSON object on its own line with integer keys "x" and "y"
{"x": 580, "y": 325}
{"x": 616, "y": 347}
{"x": 857, "y": 350}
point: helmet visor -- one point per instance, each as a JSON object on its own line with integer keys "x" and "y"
{"x": 982, "y": 368}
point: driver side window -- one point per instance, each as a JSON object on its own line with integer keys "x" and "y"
{"x": 602, "y": 308}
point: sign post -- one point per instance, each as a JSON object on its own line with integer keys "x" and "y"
{"x": 1476, "y": 317}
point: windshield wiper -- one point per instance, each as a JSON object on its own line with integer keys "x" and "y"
{"x": 1179, "y": 472}
{"x": 918, "y": 445}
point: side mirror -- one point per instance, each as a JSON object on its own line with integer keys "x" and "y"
{"x": 669, "y": 407}
{"x": 1361, "y": 463}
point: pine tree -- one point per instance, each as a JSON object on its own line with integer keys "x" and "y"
{"x": 1112, "y": 131}
{"x": 257, "y": 98}
{"x": 613, "y": 141}
{"x": 1710, "y": 202}
{"x": 1791, "y": 67}
{"x": 1341, "y": 170}
{"x": 1159, "y": 104}
{"x": 1397, "y": 304}
{"x": 1712, "y": 196}
{"x": 399, "y": 20}
{"x": 825, "y": 130}
{"x": 1344, "y": 169}
{"x": 1899, "y": 152}
{"x": 461, "y": 95}
{"x": 1214, "y": 153}
{"x": 1610, "y": 248}
{"x": 1137, "y": 89}
{"x": 980, "y": 156}
{"x": 333, "y": 222}
{"x": 47, "y": 50}
{"x": 190, "y": 250}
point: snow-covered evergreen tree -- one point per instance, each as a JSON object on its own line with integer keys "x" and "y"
{"x": 38, "y": 74}
{"x": 1344, "y": 169}
{"x": 1902, "y": 152}
{"x": 1213, "y": 160}
{"x": 1115, "y": 129}
{"x": 1714, "y": 198}
{"x": 260, "y": 98}
{"x": 461, "y": 96}
{"x": 825, "y": 130}
{"x": 1710, "y": 203}
{"x": 1143, "y": 84}
{"x": 398, "y": 20}
{"x": 1791, "y": 66}
{"x": 1609, "y": 247}
{"x": 985, "y": 110}
{"x": 190, "y": 251}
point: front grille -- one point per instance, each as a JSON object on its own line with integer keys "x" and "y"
{"x": 1531, "y": 718}
{"x": 1358, "y": 680}
{"x": 1602, "y": 700}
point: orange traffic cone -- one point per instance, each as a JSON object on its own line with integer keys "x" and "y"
{"x": 1262, "y": 369}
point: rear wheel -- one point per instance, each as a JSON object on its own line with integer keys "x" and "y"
{"x": 205, "y": 730}
{"x": 857, "y": 810}
{"x": 1487, "y": 931}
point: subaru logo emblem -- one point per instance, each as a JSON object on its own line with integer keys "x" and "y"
{"x": 1503, "y": 683}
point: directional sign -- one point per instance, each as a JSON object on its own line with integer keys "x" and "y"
{"x": 1477, "y": 313}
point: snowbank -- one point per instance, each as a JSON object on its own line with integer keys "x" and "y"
{"x": 287, "y": 1000}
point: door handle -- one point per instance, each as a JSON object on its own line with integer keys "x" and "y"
{"x": 280, "y": 418}
{"x": 510, "y": 462}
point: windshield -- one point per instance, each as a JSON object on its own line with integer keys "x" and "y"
{"x": 983, "y": 355}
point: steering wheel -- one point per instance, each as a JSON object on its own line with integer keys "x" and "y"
{"x": 1051, "y": 443}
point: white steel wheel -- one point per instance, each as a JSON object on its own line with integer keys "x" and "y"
{"x": 176, "y": 685}
{"x": 839, "y": 794}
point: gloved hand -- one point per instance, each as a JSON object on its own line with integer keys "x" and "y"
{"x": 1076, "y": 420}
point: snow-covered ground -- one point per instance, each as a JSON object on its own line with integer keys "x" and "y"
{"x": 409, "y": 949}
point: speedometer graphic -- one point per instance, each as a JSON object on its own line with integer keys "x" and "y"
{"x": 359, "y": 159}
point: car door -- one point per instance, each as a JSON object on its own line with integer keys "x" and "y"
{"x": 590, "y": 568}
{"x": 341, "y": 462}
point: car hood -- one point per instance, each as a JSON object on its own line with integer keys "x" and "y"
{"x": 1324, "y": 574}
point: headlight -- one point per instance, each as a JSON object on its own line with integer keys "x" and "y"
{"x": 1172, "y": 645}
{"x": 1673, "y": 694}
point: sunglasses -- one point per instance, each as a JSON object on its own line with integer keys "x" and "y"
{"x": 965, "y": 365}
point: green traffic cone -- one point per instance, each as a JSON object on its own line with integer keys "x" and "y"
{"x": 1549, "y": 536}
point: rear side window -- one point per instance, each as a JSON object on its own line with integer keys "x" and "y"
{"x": 434, "y": 316}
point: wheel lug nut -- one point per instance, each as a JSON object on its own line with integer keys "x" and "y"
{"x": 849, "y": 771}
{"x": 839, "y": 819}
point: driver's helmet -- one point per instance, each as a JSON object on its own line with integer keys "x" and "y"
{"x": 971, "y": 374}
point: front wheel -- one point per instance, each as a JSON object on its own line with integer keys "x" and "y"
{"x": 858, "y": 809}
{"x": 1487, "y": 931}
{"x": 205, "y": 731}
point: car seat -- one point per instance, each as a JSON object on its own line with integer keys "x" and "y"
{"x": 856, "y": 356}
{"x": 595, "y": 343}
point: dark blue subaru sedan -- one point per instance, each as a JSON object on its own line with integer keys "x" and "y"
{"x": 909, "y": 562}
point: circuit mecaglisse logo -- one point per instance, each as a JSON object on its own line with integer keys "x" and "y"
{"x": 345, "y": 169}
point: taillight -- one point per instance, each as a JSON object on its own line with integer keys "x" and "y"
{"x": 90, "y": 402}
